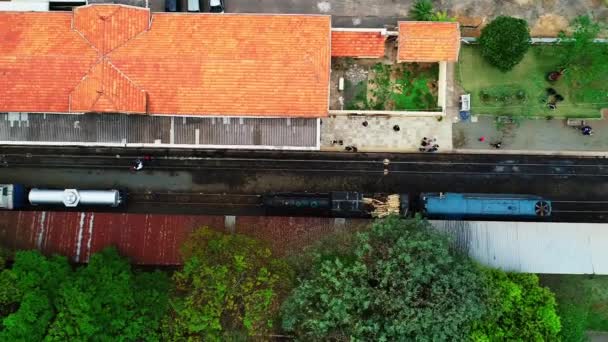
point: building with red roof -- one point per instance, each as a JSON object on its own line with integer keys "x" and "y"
{"x": 206, "y": 80}
{"x": 116, "y": 58}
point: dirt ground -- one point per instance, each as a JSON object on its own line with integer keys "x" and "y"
{"x": 545, "y": 17}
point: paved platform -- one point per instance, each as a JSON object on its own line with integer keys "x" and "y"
{"x": 530, "y": 135}
{"x": 379, "y": 135}
{"x": 162, "y": 131}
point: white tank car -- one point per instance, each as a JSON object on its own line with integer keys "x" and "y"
{"x": 74, "y": 197}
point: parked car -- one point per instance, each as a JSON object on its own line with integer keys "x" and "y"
{"x": 216, "y": 6}
{"x": 171, "y": 5}
{"x": 194, "y": 6}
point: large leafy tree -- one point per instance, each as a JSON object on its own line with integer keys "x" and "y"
{"x": 400, "y": 282}
{"x": 519, "y": 310}
{"x": 505, "y": 41}
{"x": 230, "y": 285}
{"x": 104, "y": 300}
{"x": 584, "y": 61}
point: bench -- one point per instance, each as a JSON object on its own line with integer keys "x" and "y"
{"x": 575, "y": 122}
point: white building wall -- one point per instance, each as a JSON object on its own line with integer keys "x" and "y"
{"x": 533, "y": 247}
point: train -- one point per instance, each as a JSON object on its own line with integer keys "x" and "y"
{"x": 16, "y": 196}
{"x": 435, "y": 205}
{"x": 430, "y": 205}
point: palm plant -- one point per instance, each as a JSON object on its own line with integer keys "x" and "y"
{"x": 442, "y": 16}
{"x": 423, "y": 10}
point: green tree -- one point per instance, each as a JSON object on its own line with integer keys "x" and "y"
{"x": 37, "y": 280}
{"x": 230, "y": 284}
{"x": 504, "y": 42}
{"x": 105, "y": 300}
{"x": 9, "y": 294}
{"x": 519, "y": 310}
{"x": 584, "y": 60}
{"x": 400, "y": 281}
{"x": 423, "y": 10}
{"x": 102, "y": 301}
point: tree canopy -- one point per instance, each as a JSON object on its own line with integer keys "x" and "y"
{"x": 505, "y": 41}
{"x": 519, "y": 309}
{"x": 584, "y": 60}
{"x": 230, "y": 284}
{"x": 104, "y": 300}
{"x": 401, "y": 281}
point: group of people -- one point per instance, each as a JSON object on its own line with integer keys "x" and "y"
{"x": 428, "y": 145}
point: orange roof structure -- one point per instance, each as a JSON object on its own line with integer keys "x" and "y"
{"x": 357, "y": 44}
{"x": 427, "y": 41}
{"x": 116, "y": 58}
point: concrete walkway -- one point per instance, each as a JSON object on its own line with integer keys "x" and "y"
{"x": 379, "y": 135}
{"x": 530, "y": 135}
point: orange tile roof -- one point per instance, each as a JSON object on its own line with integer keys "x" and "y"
{"x": 114, "y": 58}
{"x": 41, "y": 60}
{"x": 357, "y": 44}
{"x": 427, "y": 41}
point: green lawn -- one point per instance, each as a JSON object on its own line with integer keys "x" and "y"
{"x": 523, "y": 90}
{"x": 582, "y": 303}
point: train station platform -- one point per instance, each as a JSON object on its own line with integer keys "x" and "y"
{"x": 120, "y": 130}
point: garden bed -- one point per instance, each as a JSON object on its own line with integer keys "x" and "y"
{"x": 525, "y": 90}
{"x": 378, "y": 86}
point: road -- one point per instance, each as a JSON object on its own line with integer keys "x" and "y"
{"x": 224, "y": 182}
{"x": 345, "y": 13}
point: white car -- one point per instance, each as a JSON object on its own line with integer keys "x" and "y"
{"x": 194, "y": 6}
{"x": 216, "y": 6}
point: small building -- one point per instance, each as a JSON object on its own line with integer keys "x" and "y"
{"x": 228, "y": 81}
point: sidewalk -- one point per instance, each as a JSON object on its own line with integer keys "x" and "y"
{"x": 379, "y": 135}
{"x": 530, "y": 135}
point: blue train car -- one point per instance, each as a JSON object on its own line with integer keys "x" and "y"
{"x": 462, "y": 205}
{"x": 12, "y": 196}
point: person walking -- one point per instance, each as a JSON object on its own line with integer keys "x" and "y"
{"x": 497, "y": 145}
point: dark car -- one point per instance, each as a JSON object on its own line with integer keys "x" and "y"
{"x": 216, "y": 6}
{"x": 171, "y": 5}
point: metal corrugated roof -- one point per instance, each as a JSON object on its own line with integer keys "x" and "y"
{"x": 533, "y": 247}
{"x": 167, "y": 130}
{"x": 150, "y": 239}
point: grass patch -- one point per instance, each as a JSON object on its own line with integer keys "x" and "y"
{"x": 524, "y": 91}
{"x": 397, "y": 87}
{"x": 582, "y": 303}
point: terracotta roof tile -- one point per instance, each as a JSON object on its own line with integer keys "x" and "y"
{"x": 106, "y": 89}
{"x": 41, "y": 60}
{"x": 426, "y": 41}
{"x": 262, "y": 65}
{"x": 107, "y": 27}
{"x": 357, "y": 44}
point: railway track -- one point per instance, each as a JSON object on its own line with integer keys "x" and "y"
{"x": 580, "y": 207}
{"x": 194, "y": 199}
{"x": 330, "y": 166}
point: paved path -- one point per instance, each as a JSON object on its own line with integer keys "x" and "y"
{"x": 379, "y": 134}
{"x": 552, "y": 135}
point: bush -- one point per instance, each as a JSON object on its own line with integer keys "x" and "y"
{"x": 519, "y": 309}
{"x": 423, "y": 10}
{"x": 504, "y": 42}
